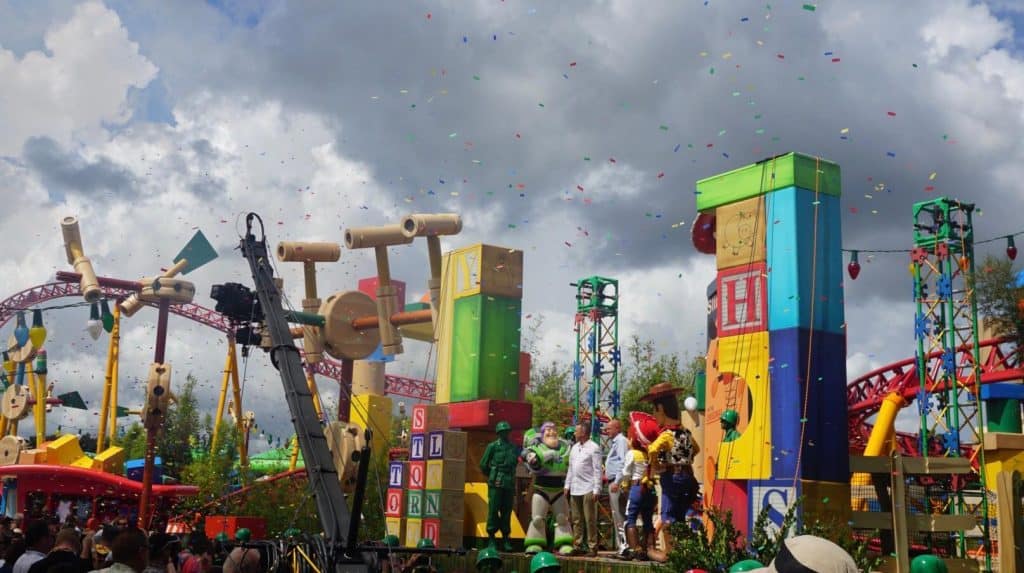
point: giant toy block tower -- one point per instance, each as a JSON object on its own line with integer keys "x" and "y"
{"x": 481, "y": 373}
{"x": 778, "y": 353}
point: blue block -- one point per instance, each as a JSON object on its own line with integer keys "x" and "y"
{"x": 1003, "y": 391}
{"x": 133, "y": 469}
{"x": 790, "y": 256}
{"x": 379, "y": 356}
{"x": 775, "y": 494}
{"x": 825, "y": 454}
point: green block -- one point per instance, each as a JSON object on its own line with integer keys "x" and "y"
{"x": 432, "y": 503}
{"x": 414, "y": 503}
{"x": 791, "y": 169}
{"x": 485, "y": 348}
{"x": 1003, "y": 415}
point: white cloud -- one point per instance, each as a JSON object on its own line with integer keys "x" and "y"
{"x": 78, "y": 83}
{"x": 965, "y": 26}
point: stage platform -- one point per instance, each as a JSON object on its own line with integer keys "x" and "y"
{"x": 520, "y": 563}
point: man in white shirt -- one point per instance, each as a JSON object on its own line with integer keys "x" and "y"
{"x": 617, "y": 451}
{"x": 38, "y": 542}
{"x": 582, "y": 486}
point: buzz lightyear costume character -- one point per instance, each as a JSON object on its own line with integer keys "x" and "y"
{"x": 547, "y": 458}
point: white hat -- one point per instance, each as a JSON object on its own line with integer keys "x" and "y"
{"x": 810, "y": 554}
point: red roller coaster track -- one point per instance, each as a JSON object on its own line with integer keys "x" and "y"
{"x": 67, "y": 286}
{"x": 864, "y": 394}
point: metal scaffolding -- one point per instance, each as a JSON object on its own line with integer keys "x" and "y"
{"x": 946, "y": 322}
{"x": 596, "y": 369}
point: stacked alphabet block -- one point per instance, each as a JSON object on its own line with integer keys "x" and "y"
{"x": 425, "y": 496}
{"x": 777, "y": 355}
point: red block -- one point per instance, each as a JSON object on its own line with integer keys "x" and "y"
{"x": 485, "y": 414}
{"x": 524, "y": 374}
{"x": 369, "y": 286}
{"x": 732, "y": 494}
{"x": 742, "y": 300}
{"x": 417, "y": 475}
{"x": 394, "y": 502}
{"x": 229, "y": 525}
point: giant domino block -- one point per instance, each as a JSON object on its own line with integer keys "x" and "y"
{"x": 740, "y": 233}
{"x": 749, "y": 456}
{"x": 742, "y": 300}
{"x": 825, "y": 450}
{"x": 804, "y": 253}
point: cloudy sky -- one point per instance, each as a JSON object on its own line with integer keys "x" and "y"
{"x": 572, "y": 130}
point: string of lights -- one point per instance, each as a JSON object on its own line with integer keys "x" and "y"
{"x": 853, "y": 268}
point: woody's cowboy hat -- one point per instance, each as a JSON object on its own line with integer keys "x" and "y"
{"x": 661, "y": 390}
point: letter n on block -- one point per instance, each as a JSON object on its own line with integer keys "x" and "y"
{"x": 742, "y": 300}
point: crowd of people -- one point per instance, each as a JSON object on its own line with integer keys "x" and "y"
{"x": 52, "y": 546}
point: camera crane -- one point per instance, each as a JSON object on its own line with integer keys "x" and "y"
{"x": 339, "y": 525}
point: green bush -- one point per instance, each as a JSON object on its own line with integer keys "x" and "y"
{"x": 725, "y": 545}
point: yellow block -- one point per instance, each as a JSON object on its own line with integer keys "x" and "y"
{"x": 373, "y": 412}
{"x": 749, "y": 456}
{"x": 740, "y": 233}
{"x": 413, "y": 531}
{"x": 1001, "y": 461}
{"x": 110, "y": 460}
{"x": 395, "y": 526}
{"x": 826, "y": 499}
{"x": 487, "y": 269}
{"x": 445, "y": 474}
{"x": 474, "y": 519}
{"x": 444, "y": 331}
{"x": 84, "y": 462}
{"x": 64, "y": 451}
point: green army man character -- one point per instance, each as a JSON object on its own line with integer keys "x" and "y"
{"x": 729, "y": 419}
{"x": 499, "y": 465}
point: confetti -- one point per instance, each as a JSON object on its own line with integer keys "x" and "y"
{"x": 890, "y": 113}
{"x": 810, "y": 7}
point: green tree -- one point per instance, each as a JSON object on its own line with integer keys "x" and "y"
{"x": 133, "y": 441}
{"x": 644, "y": 368}
{"x": 180, "y": 430}
{"x": 550, "y": 395}
{"x": 998, "y": 297}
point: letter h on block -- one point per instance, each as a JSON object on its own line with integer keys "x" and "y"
{"x": 742, "y": 300}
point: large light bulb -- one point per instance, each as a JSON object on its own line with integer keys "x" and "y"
{"x": 94, "y": 326}
{"x": 106, "y": 316}
{"x": 37, "y": 334}
{"x": 21, "y": 330}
